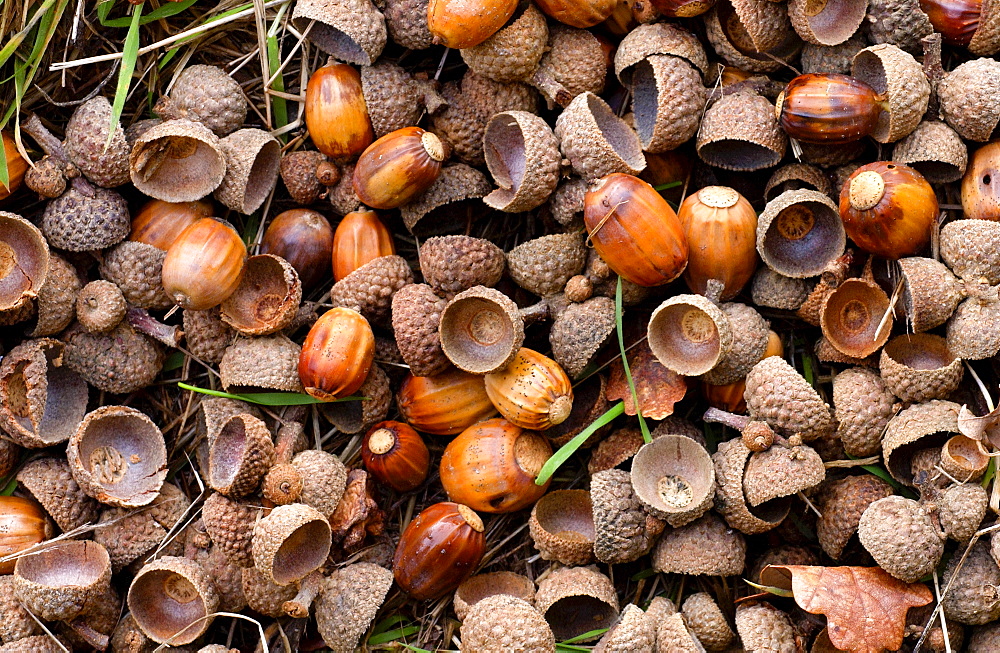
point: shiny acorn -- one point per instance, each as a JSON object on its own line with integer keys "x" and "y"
{"x": 336, "y": 114}
{"x": 532, "y": 392}
{"x": 396, "y": 168}
{"x": 829, "y": 108}
{"x": 396, "y": 455}
{"x": 439, "y": 549}
{"x": 446, "y": 403}
{"x": 360, "y": 237}
{"x": 159, "y": 223}
{"x": 204, "y": 265}
{"x": 337, "y": 354}
{"x": 304, "y": 238}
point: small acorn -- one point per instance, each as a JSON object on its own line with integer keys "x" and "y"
{"x": 100, "y": 306}
{"x": 899, "y": 534}
{"x": 203, "y": 267}
{"x": 396, "y": 455}
{"x": 336, "y": 355}
{"x": 305, "y": 239}
{"x": 532, "y": 392}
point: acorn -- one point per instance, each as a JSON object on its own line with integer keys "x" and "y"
{"x": 842, "y": 504}
{"x": 397, "y": 167}
{"x": 964, "y": 459}
{"x": 523, "y": 156}
{"x": 18, "y": 623}
{"x": 96, "y": 147}
{"x": 177, "y": 161}
{"x": 740, "y": 132}
{"x": 963, "y": 23}
{"x": 78, "y": 222}
{"x": 455, "y": 25}
{"x": 446, "y": 403}
{"x": 658, "y": 39}
{"x": 204, "y": 265}
{"x": 931, "y": 293}
{"x": 336, "y": 114}
{"x": 208, "y": 95}
{"x": 683, "y": 8}
{"x": 864, "y": 405}
{"x": 968, "y": 99}
{"x": 969, "y": 601}
{"x": 352, "y": 31}
{"x": 780, "y": 472}
{"x": 324, "y": 479}
{"x": 171, "y": 600}
{"x": 29, "y": 252}
{"x": 673, "y": 634}
{"x": 773, "y": 386}
{"x": 578, "y": 13}
{"x": 439, "y": 549}
{"x": 396, "y": 455}
{"x": 16, "y": 166}
{"x": 967, "y": 248}
{"x": 596, "y": 141}
{"x": 100, "y": 306}
{"x": 348, "y": 602}
{"x": 562, "y": 527}
{"x": 513, "y": 52}
{"x": 360, "y": 238}
{"x": 981, "y": 186}
{"x": 900, "y": 535}
{"x": 23, "y": 525}
{"x": 119, "y": 361}
{"x": 532, "y": 392}
{"x": 577, "y": 600}
{"x": 505, "y": 623}
{"x": 369, "y": 289}
{"x": 720, "y": 228}
{"x": 829, "y": 25}
{"x": 58, "y": 582}
{"x": 481, "y": 330}
{"x": 451, "y": 264}
{"x": 253, "y": 158}
{"x": 336, "y": 355}
{"x": 762, "y": 627}
{"x": 828, "y": 108}
{"x": 159, "y": 223}
{"x": 206, "y": 335}
{"x": 304, "y": 239}
{"x": 230, "y": 525}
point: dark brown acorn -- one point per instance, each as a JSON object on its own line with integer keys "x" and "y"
{"x": 304, "y": 238}
{"x": 440, "y": 548}
{"x": 396, "y": 455}
{"x": 956, "y": 20}
{"x": 828, "y": 108}
{"x": 683, "y": 8}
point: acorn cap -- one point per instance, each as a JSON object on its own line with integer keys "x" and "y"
{"x": 674, "y": 478}
{"x": 118, "y": 456}
{"x": 253, "y": 158}
{"x": 934, "y": 150}
{"x": 290, "y": 542}
{"x": 358, "y": 416}
{"x": 834, "y": 58}
{"x": 481, "y": 330}
{"x": 765, "y": 24}
{"x": 34, "y": 644}
{"x": 503, "y": 623}
{"x": 969, "y": 248}
{"x": 369, "y": 289}
{"x": 59, "y": 582}
{"x": 961, "y": 508}
{"x": 750, "y": 337}
{"x": 773, "y": 290}
{"x": 634, "y": 631}
{"x": 77, "y": 222}
{"x": 206, "y": 336}
{"x": 101, "y": 156}
{"x": 574, "y": 63}
{"x": 730, "y": 462}
{"x": 169, "y": 599}
{"x": 895, "y": 73}
{"x": 853, "y": 318}
{"x": 266, "y": 299}
{"x": 863, "y": 406}
{"x": 658, "y": 39}
{"x": 566, "y": 202}
{"x": 177, "y": 161}
{"x": 119, "y": 361}
{"x": 457, "y": 183}
{"x": 343, "y": 199}
{"x": 239, "y": 456}
{"x": 973, "y": 330}
{"x": 324, "y": 479}
{"x": 705, "y": 546}
{"x": 128, "y": 535}
{"x": 512, "y": 53}
{"x": 406, "y": 21}
{"x": 705, "y": 620}
{"x": 576, "y": 600}
{"x": 476, "y": 588}
{"x": 207, "y": 95}
{"x": 227, "y": 578}
{"x": 230, "y": 525}
{"x": 596, "y": 141}
{"x": 778, "y": 395}
{"x": 612, "y": 451}
{"x": 834, "y": 23}
{"x": 689, "y": 334}
{"x": 964, "y": 459}
{"x": 969, "y": 98}
{"x": 660, "y": 608}
{"x": 100, "y": 306}
{"x": 267, "y": 362}
{"x": 919, "y": 367}
{"x": 47, "y": 177}
{"x": 799, "y": 233}
{"x": 984, "y": 638}
{"x": 918, "y": 427}
{"x": 667, "y": 99}
{"x": 41, "y": 401}
{"x": 392, "y": 97}
{"x": 562, "y": 527}
{"x": 972, "y": 599}
{"x": 673, "y": 635}
{"x": 740, "y": 132}
{"x": 899, "y": 534}
{"x": 763, "y": 627}
{"x": 797, "y": 176}
{"x": 451, "y": 264}
{"x": 416, "y": 313}
{"x": 57, "y": 298}
{"x": 579, "y": 332}
{"x": 348, "y": 603}
{"x": 298, "y": 172}
{"x": 17, "y": 622}
{"x": 544, "y": 265}
{"x": 780, "y": 472}
{"x": 842, "y": 502}
{"x": 262, "y": 595}
{"x": 51, "y": 483}
{"x": 734, "y": 55}
{"x": 136, "y": 269}
{"x": 931, "y": 293}
{"x": 523, "y": 156}
{"x": 352, "y": 31}
{"x": 899, "y": 22}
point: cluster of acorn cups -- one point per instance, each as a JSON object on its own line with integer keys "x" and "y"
{"x": 286, "y": 529}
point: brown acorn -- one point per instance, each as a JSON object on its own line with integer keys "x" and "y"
{"x": 446, "y": 403}
{"x": 159, "y": 223}
{"x": 360, "y": 237}
{"x": 720, "y": 227}
{"x": 204, "y": 265}
{"x": 16, "y": 166}
{"x": 336, "y": 115}
{"x": 532, "y": 392}
{"x": 304, "y": 239}
{"x": 22, "y": 524}
{"x": 336, "y": 355}
{"x": 397, "y": 167}
{"x": 828, "y": 108}
{"x": 439, "y": 549}
{"x": 396, "y": 455}
{"x": 457, "y": 24}
{"x": 981, "y": 185}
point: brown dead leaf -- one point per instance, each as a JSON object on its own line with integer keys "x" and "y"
{"x": 985, "y": 428}
{"x": 865, "y": 607}
{"x": 357, "y": 515}
{"x": 657, "y": 388}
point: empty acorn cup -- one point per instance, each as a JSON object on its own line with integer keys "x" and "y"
{"x": 596, "y": 141}
{"x": 920, "y": 367}
{"x": 740, "y": 132}
{"x": 60, "y": 581}
{"x": 170, "y": 599}
{"x": 177, "y": 161}
{"x": 291, "y": 542}
{"x": 674, "y": 477}
{"x": 562, "y": 527}
{"x": 253, "y": 157}
{"x": 267, "y": 298}
{"x": 523, "y": 156}
{"x": 118, "y": 456}
{"x": 26, "y": 262}
{"x": 481, "y": 330}
{"x": 689, "y": 334}
{"x": 856, "y": 318}
{"x": 476, "y": 588}
{"x": 914, "y": 430}
{"x": 577, "y": 600}
{"x": 931, "y": 292}
{"x": 239, "y": 456}
{"x": 799, "y": 233}
{"x": 964, "y": 459}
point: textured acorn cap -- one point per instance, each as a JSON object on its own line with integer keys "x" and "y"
{"x": 34, "y": 644}
{"x": 169, "y": 599}
{"x": 348, "y": 603}
{"x": 750, "y": 337}
{"x": 705, "y": 546}
{"x": 842, "y": 502}
{"x": 863, "y": 406}
{"x": 834, "y": 23}
{"x": 481, "y": 330}
{"x": 101, "y": 156}
{"x": 672, "y": 635}
{"x": 47, "y": 177}
{"x": 589, "y": 403}
{"x": 128, "y": 535}
{"x": 931, "y": 293}
{"x": 973, "y": 330}
{"x": 899, "y": 534}
{"x": 352, "y": 31}
{"x": 51, "y": 483}
{"x": 634, "y": 631}
{"x": 720, "y": 41}
{"x": 917, "y": 427}
{"x": 667, "y": 99}
{"x": 730, "y": 501}
{"x": 476, "y": 588}
{"x": 416, "y": 313}
{"x": 705, "y": 620}
{"x": 576, "y": 600}
{"x": 970, "y": 98}
{"x": 919, "y": 367}
{"x": 961, "y": 508}
{"x": 658, "y": 39}
{"x": 100, "y": 306}
{"x": 457, "y": 183}
{"x": 118, "y": 456}
{"x": 780, "y": 396}
{"x": 624, "y": 532}
{"x": 406, "y": 21}
{"x": 689, "y": 334}
{"x": 562, "y": 527}
{"x": 763, "y": 627}
{"x": 324, "y": 479}
{"x": 290, "y": 542}
{"x": 57, "y": 298}
{"x": 77, "y": 222}
{"x": 357, "y": 416}
{"x": 253, "y": 158}
{"x": 136, "y": 269}
{"x": 797, "y": 176}
{"x": 523, "y": 156}
{"x": 17, "y": 622}
{"x": 972, "y": 597}
{"x": 298, "y": 172}
{"x": 566, "y": 202}
{"x": 230, "y": 525}
{"x": 512, "y": 53}
{"x": 574, "y": 63}
{"x": 799, "y": 233}
{"x": 934, "y": 150}
{"x": 59, "y": 582}
{"x": 579, "y": 332}
{"x": 451, "y": 264}
{"x": 596, "y": 141}
{"x": 899, "y": 22}
{"x": 262, "y": 595}
{"x": 207, "y": 95}
{"x": 239, "y": 456}
{"x": 392, "y": 97}
{"x": 780, "y": 472}
{"x": 986, "y": 39}
{"x": 41, "y": 401}
{"x": 740, "y": 132}
{"x": 832, "y": 58}
{"x": 369, "y": 289}
{"x": 895, "y": 73}
{"x": 266, "y": 299}
{"x": 766, "y": 24}
{"x": 969, "y": 248}
{"x": 343, "y": 199}
{"x": 984, "y": 638}
{"x": 674, "y": 478}
{"x": 503, "y": 623}
{"x": 177, "y": 161}
{"x": 544, "y": 265}
{"x": 773, "y": 290}
{"x": 267, "y": 362}
{"x": 206, "y": 336}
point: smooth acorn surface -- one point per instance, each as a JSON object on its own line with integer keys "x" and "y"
{"x": 532, "y": 392}
{"x": 440, "y": 548}
{"x": 337, "y": 354}
{"x": 466, "y": 23}
{"x": 956, "y": 20}
{"x": 360, "y": 238}
{"x": 16, "y": 166}
{"x": 721, "y": 230}
{"x": 398, "y": 167}
{"x": 304, "y": 238}
{"x": 336, "y": 114}
{"x": 159, "y": 223}
{"x": 23, "y": 523}
{"x": 828, "y": 108}
{"x": 396, "y": 455}
{"x": 981, "y": 184}
{"x": 446, "y": 403}
{"x": 204, "y": 265}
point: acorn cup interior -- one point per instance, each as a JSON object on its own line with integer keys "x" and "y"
{"x": 24, "y": 260}
{"x": 304, "y": 550}
{"x": 169, "y": 606}
{"x": 567, "y": 514}
{"x": 685, "y": 337}
{"x": 802, "y": 238}
{"x": 71, "y": 564}
{"x": 856, "y": 318}
{"x": 920, "y": 351}
{"x": 266, "y": 299}
{"x": 673, "y": 475}
{"x": 480, "y": 334}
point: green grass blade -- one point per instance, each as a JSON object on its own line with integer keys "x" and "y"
{"x": 393, "y": 635}
{"x": 647, "y": 438}
{"x": 568, "y": 449}
{"x": 173, "y": 361}
{"x": 165, "y": 11}
{"x": 415, "y": 649}
{"x": 777, "y": 591}
{"x": 388, "y": 623}
{"x": 4, "y": 174}
{"x": 267, "y": 398}
{"x": 666, "y": 186}
{"x": 17, "y": 39}
{"x": 579, "y": 638}
{"x": 9, "y": 487}
{"x": 130, "y": 52}
{"x": 278, "y": 104}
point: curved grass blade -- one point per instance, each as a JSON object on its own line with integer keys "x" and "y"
{"x": 568, "y": 449}
{"x": 130, "y": 52}
{"x": 267, "y": 398}
{"x": 646, "y": 437}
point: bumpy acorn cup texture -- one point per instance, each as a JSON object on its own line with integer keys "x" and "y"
{"x": 931, "y": 293}
{"x": 762, "y": 627}
{"x": 920, "y": 367}
{"x": 575, "y": 600}
{"x": 969, "y": 100}
{"x": 899, "y": 534}
{"x": 730, "y": 500}
{"x": 799, "y": 233}
{"x": 59, "y": 582}
{"x": 100, "y": 155}
{"x": 512, "y": 53}
{"x": 457, "y": 183}
{"x": 451, "y": 264}
{"x": 253, "y": 158}
{"x": 781, "y": 471}
{"x": 18, "y": 622}
{"x": 77, "y": 222}
{"x": 899, "y": 22}
{"x": 239, "y": 456}
{"x": 506, "y": 623}
{"x": 266, "y": 362}
{"x": 230, "y": 525}
{"x": 891, "y": 71}
{"x": 391, "y": 97}
{"x": 968, "y": 247}
{"x": 523, "y": 156}
{"x": 51, "y": 483}
{"x": 635, "y": 631}
{"x": 596, "y": 141}
{"x": 544, "y": 265}
{"x": 352, "y": 31}
{"x": 706, "y": 621}
{"x": 348, "y": 603}
{"x": 624, "y": 531}
{"x": 575, "y": 63}
{"x": 973, "y": 596}
{"x": 169, "y": 597}
{"x": 580, "y": 331}
{"x": 562, "y": 527}
{"x": 57, "y": 298}
{"x": 177, "y": 161}
{"x": 481, "y": 330}
{"x": 961, "y": 509}
{"x": 476, "y": 588}
{"x": 705, "y": 546}
{"x": 780, "y": 396}
{"x": 416, "y": 313}
{"x": 843, "y": 502}
{"x": 929, "y": 423}
{"x": 740, "y": 132}
{"x": 136, "y": 269}
{"x": 934, "y": 150}
{"x": 773, "y": 290}
{"x": 100, "y": 306}
{"x": 324, "y": 479}
{"x": 208, "y": 95}
{"x": 863, "y": 407}
{"x": 290, "y": 542}
{"x": 667, "y": 98}
{"x": 750, "y": 333}
{"x": 369, "y": 289}
{"x": 206, "y": 335}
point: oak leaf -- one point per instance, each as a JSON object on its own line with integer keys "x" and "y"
{"x": 657, "y": 388}
{"x": 865, "y": 607}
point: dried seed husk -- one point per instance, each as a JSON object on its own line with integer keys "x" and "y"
{"x": 177, "y": 161}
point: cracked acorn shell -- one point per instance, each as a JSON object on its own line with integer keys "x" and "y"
{"x": 773, "y": 388}
{"x": 169, "y": 599}
{"x": 740, "y": 132}
{"x": 26, "y": 263}
{"x": 369, "y": 289}
{"x": 100, "y": 306}
{"x": 512, "y": 53}
{"x": 705, "y": 620}
{"x": 972, "y": 598}
{"x": 968, "y": 97}
{"x": 705, "y": 546}
{"x": 253, "y": 158}
{"x": 481, "y": 330}
{"x": 523, "y": 156}
{"x": 457, "y": 185}
{"x": 544, "y": 265}
{"x": 961, "y": 509}
{"x": 348, "y": 602}
{"x": 667, "y": 98}
{"x": 730, "y": 501}
{"x": 61, "y": 581}
{"x": 920, "y": 367}
{"x": 137, "y": 269}
{"x": 674, "y": 478}
{"x": 120, "y": 361}
{"x": 531, "y": 392}
{"x": 842, "y": 503}
{"x": 580, "y": 331}
{"x": 576, "y": 600}
{"x": 596, "y": 141}
{"x": 51, "y": 483}
{"x": 77, "y": 222}
{"x": 97, "y": 153}
{"x": 118, "y": 456}
{"x": 562, "y": 527}
{"x": 799, "y": 233}
{"x": 502, "y": 623}
{"x": 481, "y": 586}
{"x": 689, "y": 334}
{"x": 863, "y": 407}
{"x": 290, "y": 542}
{"x": 353, "y": 31}
{"x": 416, "y": 313}
{"x": 899, "y": 534}
{"x": 934, "y": 150}
{"x": 177, "y": 161}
